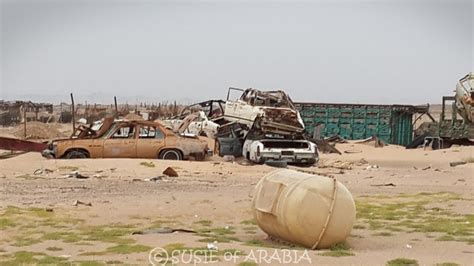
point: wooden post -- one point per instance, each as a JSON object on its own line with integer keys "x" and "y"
{"x": 24, "y": 120}
{"x": 73, "y": 114}
{"x": 116, "y": 109}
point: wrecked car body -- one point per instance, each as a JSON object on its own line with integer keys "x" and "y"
{"x": 198, "y": 124}
{"x": 264, "y": 142}
{"x": 266, "y": 126}
{"x": 213, "y": 110}
{"x": 275, "y": 105}
{"x": 202, "y": 119}
{"x": 128, "y": 139}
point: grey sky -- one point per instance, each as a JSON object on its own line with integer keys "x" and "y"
{"x": 324, "y": 51}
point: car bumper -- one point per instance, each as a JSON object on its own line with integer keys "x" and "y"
{"x": 47, "y": 153}
{"x": 296, "y": 157}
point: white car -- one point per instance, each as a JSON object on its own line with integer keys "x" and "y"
{"x": 291, "y": 151}
{"x": 199, "y": 125}
{"x": 196, "y": 123}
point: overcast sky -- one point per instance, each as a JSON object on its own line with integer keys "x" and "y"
{"x": 360, "y": 51}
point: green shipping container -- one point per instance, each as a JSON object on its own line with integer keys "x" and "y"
{"x": 391, "y": 123}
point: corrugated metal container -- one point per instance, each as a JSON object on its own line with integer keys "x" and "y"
{"x": 391, "y": 123}
{"x": 310, "y": 210}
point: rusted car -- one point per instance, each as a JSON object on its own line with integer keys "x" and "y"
{"x": 128, "y": 139}
{"x": 276, "y": 106}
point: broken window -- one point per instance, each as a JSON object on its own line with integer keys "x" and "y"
{"x": 216, "y": 110}
{"x": 147, "y": 132}
{"x": 150, "y": 132}
{"x": 124, "y": 132}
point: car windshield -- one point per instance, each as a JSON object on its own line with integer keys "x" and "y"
{"x": 120, "y": 131}
{"x": 210, "y": 108}
{"x": 266, "y": 98}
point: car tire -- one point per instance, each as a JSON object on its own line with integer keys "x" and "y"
{"x": 309, "y": 163}
{"x": 76, "y": 154}
{"x": 170, "y": 155}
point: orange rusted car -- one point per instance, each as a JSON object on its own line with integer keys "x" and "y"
{"x": 128, "y": 139}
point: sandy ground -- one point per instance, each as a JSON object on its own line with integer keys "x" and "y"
{"x": 217, "y": 194}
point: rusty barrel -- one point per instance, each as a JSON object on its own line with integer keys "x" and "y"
{"x": 310, "y": 210}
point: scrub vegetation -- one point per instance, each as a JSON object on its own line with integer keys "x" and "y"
{"x": 389, "y": 215}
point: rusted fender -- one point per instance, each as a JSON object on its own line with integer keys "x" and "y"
{"x": 21, "y": 145}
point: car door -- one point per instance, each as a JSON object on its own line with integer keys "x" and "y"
{"x": 122, "y": 143}
{"x": 95, "y": 147}
{"x": 231, "y": 111}
{"x": 150, "y": 140}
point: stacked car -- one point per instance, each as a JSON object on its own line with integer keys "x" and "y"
{"x": 259, "y": 125}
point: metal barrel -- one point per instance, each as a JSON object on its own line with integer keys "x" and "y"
{"x": 310, "y": 210}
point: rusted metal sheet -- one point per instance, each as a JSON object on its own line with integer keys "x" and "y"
{"x": 21, "y": 145}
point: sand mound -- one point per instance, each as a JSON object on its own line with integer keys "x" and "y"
{"x": 38, "y": 130}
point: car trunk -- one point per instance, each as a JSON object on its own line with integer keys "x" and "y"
{"x": 283, "y": 144}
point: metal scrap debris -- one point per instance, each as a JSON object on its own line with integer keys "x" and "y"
{"x": 165, "y": 230}
{"x": 156, "y": 178}
{"x": 352, "y": 151}
{"x": 41, "y": 171}
{"x": 374, "y": 166}
{"x": 325, "y": 147}
{"x": 13, "y": 144}
{"x": 335, "y": 139}
{"x": 454, "y": 164}
{"x": 385, "y": 185}
{"x": 362, "y": 161}
{"x": 78, "y": 202}
{"x": 77, "y": 175}
{"x": 378, "y": 143}
{"x": 246, "y": 163}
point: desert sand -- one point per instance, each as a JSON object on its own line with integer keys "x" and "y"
{"x": 42, "y": 222}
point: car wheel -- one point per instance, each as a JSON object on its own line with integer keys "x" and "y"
{"x": 170, "y": 155}
{"x": 75, "y": 154}
{"x": 309, "y": 163}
